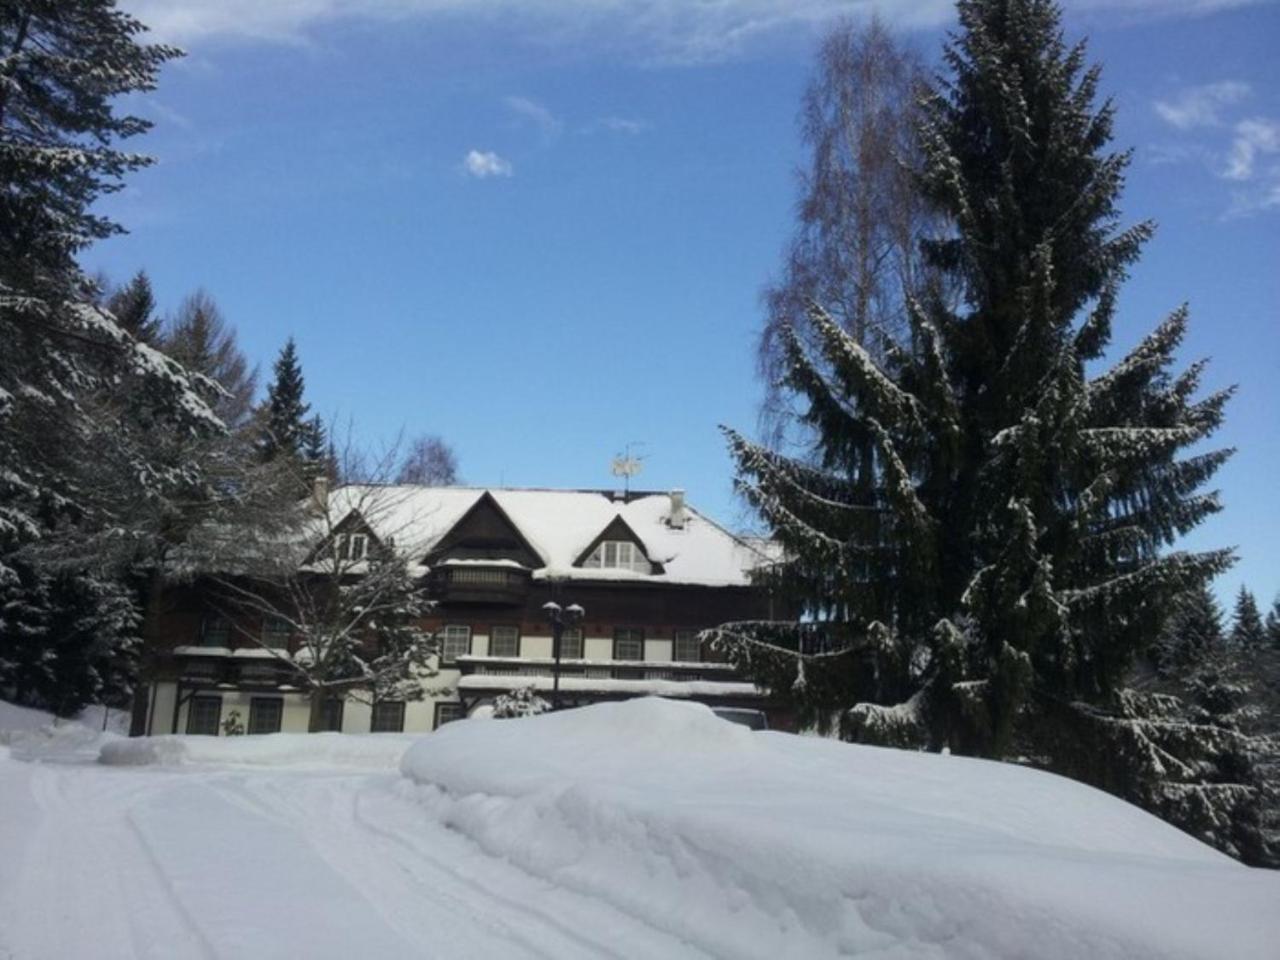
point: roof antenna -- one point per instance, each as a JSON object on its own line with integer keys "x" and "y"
{"x": 628, "y": 465}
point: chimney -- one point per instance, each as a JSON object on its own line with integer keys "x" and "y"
{"x": 677, "y": 518}
{"x": 320, "y": 494}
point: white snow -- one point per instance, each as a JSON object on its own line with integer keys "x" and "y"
{"x": 374, "y": 750}
{"x": 638, "y": 830}
{"x": 766, "y": 845}
{"x": 560, "y": 525}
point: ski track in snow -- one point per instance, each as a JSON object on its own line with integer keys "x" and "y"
{"x": 117, "y": 863}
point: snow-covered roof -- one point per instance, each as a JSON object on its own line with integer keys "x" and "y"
{"x": 559, "y": 525}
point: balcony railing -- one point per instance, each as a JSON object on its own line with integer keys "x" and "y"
{"x": 479, "y": 584}
{"x": 597, "y": 669}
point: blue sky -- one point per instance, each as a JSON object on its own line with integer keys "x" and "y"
{"x": 544, "y": 234}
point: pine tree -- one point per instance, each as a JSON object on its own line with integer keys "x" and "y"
{"x": 1247, "y": 631}
{"x": 285, "y": 432}
{"x": 134, "y": 309}
{"x": 1273, "y": 624}
{"x": 986, "y": 580}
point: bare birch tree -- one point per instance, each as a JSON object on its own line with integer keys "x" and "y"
{"x": 855, "y": 251}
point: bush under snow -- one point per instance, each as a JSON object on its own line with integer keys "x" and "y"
{"x": 765, "y": 845}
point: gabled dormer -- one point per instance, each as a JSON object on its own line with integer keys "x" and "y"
{"x": 485, "y": 532}
{"x": 351, "y": 541}
{"x": 617, "y": 547}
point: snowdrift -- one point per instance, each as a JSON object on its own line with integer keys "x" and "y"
{"x": 368, "y": 751}
{"x": 27, "y": 734}
{"x": 765, "y": 845}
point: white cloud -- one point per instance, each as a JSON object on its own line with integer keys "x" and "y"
{"x": 1254, "y": 137}
{"x": 547, "y": 123}
{"x": 486, "y": 163}
{"x": 668, "y": 31}
{"x": 625, "y": 125}
{"x": 1201, "y": 106}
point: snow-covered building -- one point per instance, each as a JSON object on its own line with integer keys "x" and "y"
{"x": 648, "y": 570}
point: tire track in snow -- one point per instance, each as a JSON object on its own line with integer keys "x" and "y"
{"x": 543, "y": 918}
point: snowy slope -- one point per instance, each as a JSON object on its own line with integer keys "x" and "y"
{"x": 765, "y": 845}
{"x": 646, "y": 829}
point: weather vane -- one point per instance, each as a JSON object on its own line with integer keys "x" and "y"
{"x": 628, "y": 465}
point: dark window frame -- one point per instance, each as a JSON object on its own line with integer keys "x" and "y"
{"x": 256, "y": 705}
{"x": 445, "y": 657}
{"x": 690, "y": 636}
{"x": 204, "y": 699}
{"x": 582, "y": 644}
{"x": 328, "y": 704}
{"x": 618, "y": 638}
{"x": 206, "y": 630}
{"x": 437, "y": 722}
{"x": 382, "y": 727}
{"x": 268, "y": 623}
{"x": 506, "y": 626}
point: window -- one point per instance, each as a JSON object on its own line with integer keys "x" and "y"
{"x": 618, "y": 555}
{"x": 265, "y": 714}
{"x": 331, "y": 715}
{"x": 388, "y": 717}
{"x": 352, "y": 546}
{"x": 276, "y": 632}
{"x": 628, "y": 643}
{"x": 571, "y": 645}
{"x": 215, "y": 631}
{"x": 447, "y": 713}
{"x": 504, "y": 642}
{"x": 455, "y": 642}
{"x": 686, "y": 646}
{"x": 203, "y": 715}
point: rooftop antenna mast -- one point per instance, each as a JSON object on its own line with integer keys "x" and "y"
{"x": 628, "y": 465}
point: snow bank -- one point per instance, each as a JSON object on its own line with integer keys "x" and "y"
{"x": 765, "y": 845}
{"x": 27, "y": 734}
{"x": 373, "y": 751}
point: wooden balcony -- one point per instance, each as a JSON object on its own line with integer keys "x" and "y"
{"x": 599, "y": 669}
{"x": 476, "y": 583}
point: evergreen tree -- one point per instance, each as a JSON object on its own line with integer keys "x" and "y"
{"x": 1247, "y": 631}
{"x": 134, "y": 309}
{"x": 286, "y": 429}
{"x": 1273, "y": 624}
{"x": 986, "y": 579}
{"x": 1192, "y": 633}
{"x": 65, "y": 62}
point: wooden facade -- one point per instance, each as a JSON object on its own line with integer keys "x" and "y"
{"x": 488, "y": 580}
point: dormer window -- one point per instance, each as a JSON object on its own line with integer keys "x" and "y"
{"x": 351, "y": 546}
{"x": 617, "y": 555}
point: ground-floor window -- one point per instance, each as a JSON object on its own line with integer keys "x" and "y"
{"x": 331, "y": 715}
{"x": 265, "y": 714}
{"x": 447, "y": 713}
{"x": 388, "y": 717}
{"x": 685, "y": 646}
{"x": 204, "y": 714}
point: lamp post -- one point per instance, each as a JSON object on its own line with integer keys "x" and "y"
{"x": 559, "y": 618}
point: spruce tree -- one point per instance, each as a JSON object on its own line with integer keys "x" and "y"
{"x": 1247, "y": 631}
{"x": 986, "y": 579}
{"x": 1193, "y": 631}
{"x": 285, "y": 432}
{"x": 65, "y": 360}
{"x": 1273, "y": 624}
{"x": 134, "y": 309}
